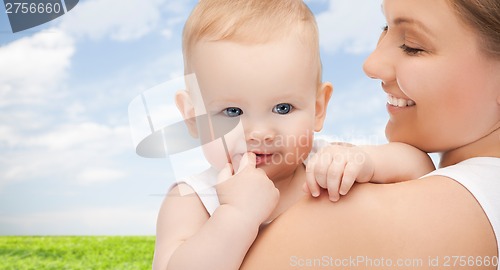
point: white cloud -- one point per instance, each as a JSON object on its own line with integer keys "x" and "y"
{"x": 91, "y": 176}
{"x": 179, "y": 7}
{"x": 38, "y": 145}
{"x": 82, "y": 153}
{"x": 178, "y": 14}
{"x": 71, "y": 136}
{"x": 351, "y": 26}
{"x": 80, "y": 137}
{"x": 83, "y": 221}
{"x": 167, "y": 33}
{"x": 33, "y": 67}
{"x": 121, "y": 20}
{"x": 8, "y": 136}
{"x": 171, "y": 23}
{"x": 118, "y": 19}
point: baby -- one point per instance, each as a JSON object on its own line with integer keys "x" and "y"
{"x": 257, "y": 62}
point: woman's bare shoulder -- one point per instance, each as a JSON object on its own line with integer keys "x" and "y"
{"x": 432, "y": 217}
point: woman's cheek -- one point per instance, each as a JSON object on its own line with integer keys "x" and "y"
{"x": 408, "y": 80}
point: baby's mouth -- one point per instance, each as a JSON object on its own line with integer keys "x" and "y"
{"x": 399, "y": 102}
{"x": 262, "y": 158}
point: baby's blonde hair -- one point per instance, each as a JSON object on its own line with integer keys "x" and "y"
{"x": 250, "y": 22}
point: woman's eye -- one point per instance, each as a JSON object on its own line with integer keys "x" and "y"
{"x": 385, "y": 28}
{"x": 232, "y": 112}
{"x": 282, "y": 108}
{"x": 410, "y": 51}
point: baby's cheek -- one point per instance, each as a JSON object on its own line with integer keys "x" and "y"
{"x": 305, "y": 144}
{"x": 236, "y": 145}
{"x": 300, "y": 146}
{"x": 215, "y": 153}
{"x": 235, "y": 161}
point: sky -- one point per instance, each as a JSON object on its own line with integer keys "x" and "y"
{"x": 67, "y": 159}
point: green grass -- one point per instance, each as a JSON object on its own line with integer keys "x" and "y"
{"x": 76, "y": 252}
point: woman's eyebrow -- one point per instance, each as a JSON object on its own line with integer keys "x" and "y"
{"x": 410, "y": 21}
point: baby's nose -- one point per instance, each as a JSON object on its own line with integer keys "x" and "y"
{"x": 260, "y": 132}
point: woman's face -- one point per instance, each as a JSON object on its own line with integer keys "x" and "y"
{"x": 443, "y": 92}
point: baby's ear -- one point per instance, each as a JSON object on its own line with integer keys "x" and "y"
{"x": 186, "y": 108}
{"x": 322, "y": 98}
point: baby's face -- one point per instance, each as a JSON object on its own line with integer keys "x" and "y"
{"x": 271, "y": 88}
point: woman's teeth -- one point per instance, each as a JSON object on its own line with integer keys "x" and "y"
{"x": 399, "y": 102}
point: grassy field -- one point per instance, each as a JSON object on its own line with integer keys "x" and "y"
{"x": 76, "y": 252}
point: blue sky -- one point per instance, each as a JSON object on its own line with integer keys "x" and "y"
{"x": 67, "y": 160}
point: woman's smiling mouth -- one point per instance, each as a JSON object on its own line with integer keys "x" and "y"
{"x": 399, "y": 102}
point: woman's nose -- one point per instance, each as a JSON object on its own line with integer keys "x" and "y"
{"x": 380, "y": 63}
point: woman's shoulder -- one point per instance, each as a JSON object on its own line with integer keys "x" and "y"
{"x": 435, "y": 216}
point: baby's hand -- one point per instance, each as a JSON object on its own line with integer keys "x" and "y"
{"x": 249, "y": 190}
{"x": 336, "y": 167}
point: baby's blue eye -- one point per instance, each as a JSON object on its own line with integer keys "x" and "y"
{"x": 232, "y": 112}
{"x": 282, "y": 108}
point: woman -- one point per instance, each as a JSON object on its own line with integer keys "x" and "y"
{"x": 442, "y": 57}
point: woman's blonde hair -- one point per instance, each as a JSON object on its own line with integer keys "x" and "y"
{"x": 483, "y": 16}
{"x": 249, "y": 22}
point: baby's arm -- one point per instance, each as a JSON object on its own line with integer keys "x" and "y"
{"x": 396, "y": 162}
{"x": 187, "y": 238}
{"x": 337, "y": 166}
